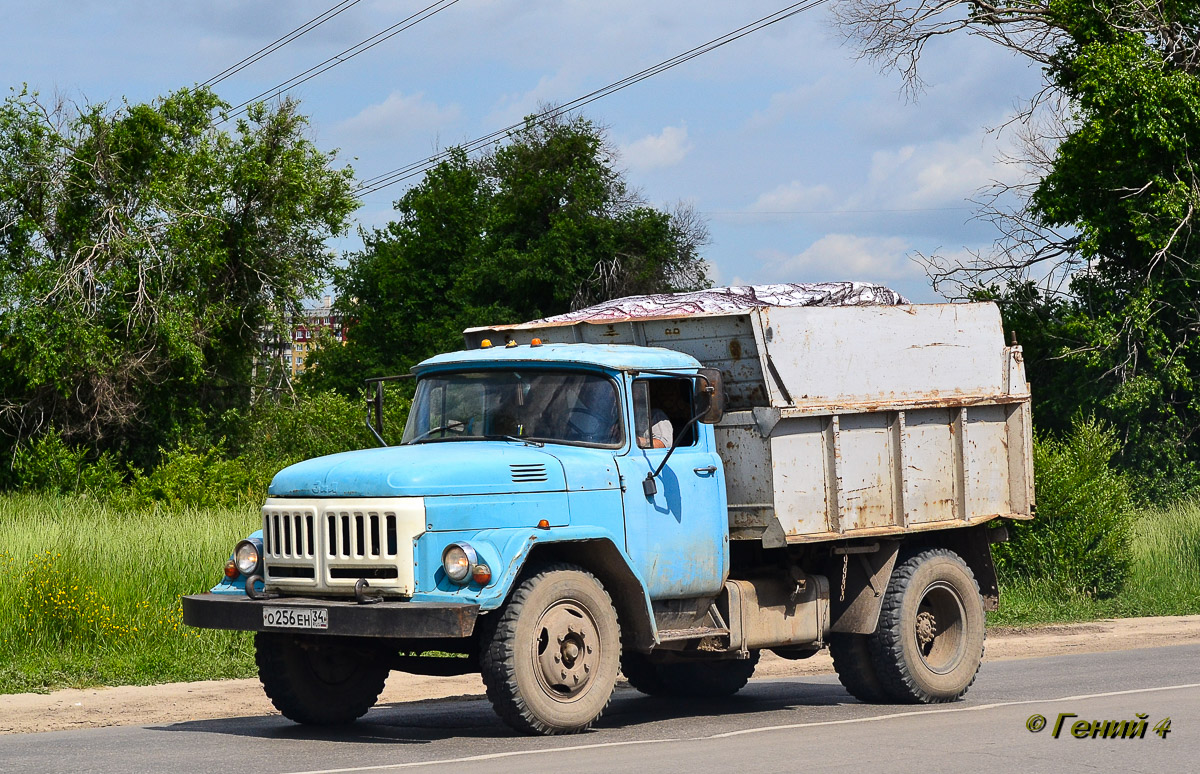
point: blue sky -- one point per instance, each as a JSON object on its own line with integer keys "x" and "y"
{"x": 807, "y": 164}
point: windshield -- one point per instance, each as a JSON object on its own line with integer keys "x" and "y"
{"x": 528, "y": 405}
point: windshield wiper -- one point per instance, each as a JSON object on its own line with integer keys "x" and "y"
{"x": 525, "y": 441}
{"x": 438, "y": 429}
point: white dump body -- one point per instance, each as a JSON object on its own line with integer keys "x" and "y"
{"x": 849, "y": 421}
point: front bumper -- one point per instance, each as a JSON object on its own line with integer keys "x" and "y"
{"x": 398, "y": 620}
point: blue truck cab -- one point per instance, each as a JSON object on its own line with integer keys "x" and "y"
{"x": 589, "y": 465}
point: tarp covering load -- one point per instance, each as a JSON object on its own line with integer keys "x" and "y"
{"x": 731, "y": 299}
{"x": 802, "y": 347}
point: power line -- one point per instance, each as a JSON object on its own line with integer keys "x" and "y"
{"x": 342, "y": 56}
{"x": 371, "y": 185}
{"x": 756, "y": 213}
{"x": 279, "y": 43}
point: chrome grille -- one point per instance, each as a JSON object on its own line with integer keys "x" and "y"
{"x": 327, "y": 545}
{"x": 289, "y": 534}
{"x": 361, "y": 535}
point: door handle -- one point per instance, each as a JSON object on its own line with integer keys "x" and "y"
{"x": 706, "y": 471}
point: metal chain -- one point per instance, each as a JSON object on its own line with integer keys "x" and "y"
{"x": 845, "y": 569}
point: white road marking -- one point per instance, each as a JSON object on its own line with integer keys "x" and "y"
{"x": 744, "y": 731}
{"x": 489, "y": 756}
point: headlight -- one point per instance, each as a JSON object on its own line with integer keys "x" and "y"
{"x": 458, "y": 560}
{"x": 247, "y": 558}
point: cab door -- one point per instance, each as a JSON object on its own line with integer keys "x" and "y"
{"x": 677, "y": 537}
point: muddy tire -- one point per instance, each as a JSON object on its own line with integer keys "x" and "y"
{"x": 642, "y": 674}
{"x": 317, "y": 683}
{"x": 707, "y": 679}
{"x": 855, "y": 668}
{"x": 549, "y": 658}
{"x": 929, "y": 643}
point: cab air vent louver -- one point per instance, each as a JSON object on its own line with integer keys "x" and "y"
{"x": 527, "y": 474}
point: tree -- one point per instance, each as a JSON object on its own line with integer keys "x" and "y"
{"x": 536, "y": 227}
{"x": 1096, "y": 267}
{"x": 143, "y": 252}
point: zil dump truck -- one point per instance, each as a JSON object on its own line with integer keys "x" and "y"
{"x": 662, "y": 487}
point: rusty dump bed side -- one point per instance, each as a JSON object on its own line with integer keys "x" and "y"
{"x": 855, "y": 421}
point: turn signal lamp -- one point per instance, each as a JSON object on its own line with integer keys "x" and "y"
{"x": 485, "y": 344}
{"x": 535, "y": 343}
{"x": 481, "y": 574}
{"x": 231, "y": 570}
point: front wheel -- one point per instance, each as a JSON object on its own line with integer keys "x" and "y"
{"x": 550, "y": 657}
{"x": 929, "y": 642}
{"x": 317, "y": 682}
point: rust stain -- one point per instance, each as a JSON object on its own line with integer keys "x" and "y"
{"x": 735, "y": 349}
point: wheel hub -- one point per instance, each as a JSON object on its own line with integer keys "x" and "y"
{"x": 926, "y": 628}
{"x": 567, "y": 649}
{"x": 939, "y": 628}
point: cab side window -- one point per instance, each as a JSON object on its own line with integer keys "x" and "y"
{"x": 661, "y": 409}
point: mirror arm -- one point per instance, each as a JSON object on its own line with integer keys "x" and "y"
{"x": 376, "y": 403}
{"x": 375, "y": 423}
{"x": 648, "y": 486}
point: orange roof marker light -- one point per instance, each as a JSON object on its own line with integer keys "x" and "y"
{"x": 511, "y": 343}
{"x": 485, "y": 344}
{"x": 535, "y": 343}
{"x": 543, "y": 524}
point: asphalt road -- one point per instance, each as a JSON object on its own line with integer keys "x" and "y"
{"x": 796, "y": 724}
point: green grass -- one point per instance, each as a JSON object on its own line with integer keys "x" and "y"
{"x": 1164, "y": 577}
{"x": 89, "y": 595}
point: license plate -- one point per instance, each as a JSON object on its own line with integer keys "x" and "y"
{"x": 296, "y": 617}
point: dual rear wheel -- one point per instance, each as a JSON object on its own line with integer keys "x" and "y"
{"x": 928, "y": 645}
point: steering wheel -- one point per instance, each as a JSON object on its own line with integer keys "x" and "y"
{"x": 585, "y": 425}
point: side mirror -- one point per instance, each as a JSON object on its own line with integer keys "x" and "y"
{"x": 375, "y": 404}
{"x": 709, "y": 396}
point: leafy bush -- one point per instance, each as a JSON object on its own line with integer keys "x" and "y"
{"x": 273, "y": 436}
{"x": 193, "y": 477}
{"x": 48, "y": 464}
{"x": 1081, "y": 537}
{"x": 312, "y": 425}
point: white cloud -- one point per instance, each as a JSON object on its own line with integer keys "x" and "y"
{"x": 399, "y": 114}
{"x": 935, "y": 174}
{"x": 844, "y": 257}
{"x": 550, "y": 90}
{"x": 793, "y": 197}
{"x": 787, "y": 104}
{"x": 655, "y": 151}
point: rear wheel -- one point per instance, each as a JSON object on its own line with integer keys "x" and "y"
{"x": 550, "y": 657}
{"x": 855, "y": 668}
{"x": 317, "y": 682}
{"x": 707, "y": 679}
{"x": 642, "y": 673}
{"x": 929, "y": 642}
